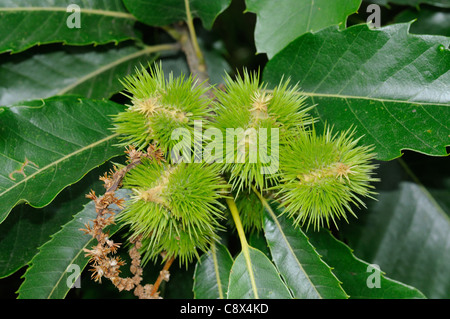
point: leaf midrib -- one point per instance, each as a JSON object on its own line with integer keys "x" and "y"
{"x": 71, "y": 262}
{"x": 116, "y": 14}
{"x": 382, "y": 100}
{"x": 87, "y": 147}
{"x": 147, "y": 50}
{"x": 216, "y": 270}
{"x": 274, "y": 217}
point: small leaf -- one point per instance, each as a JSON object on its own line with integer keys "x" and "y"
{"x": 162, "y": 13}
{"x": 266, "y": 278}
{"x": 48, "y": 275}
{"x": 258, "y": 241}
{"x": 355, "y": 273}
{"x": 49, "y": 144}
{"x": 391, "y": 85}
{"x": 25, "y": 23}
{"x": 212, "y": 273}
{"x": 304, "y": 272}
{"x": 278, "y": 24}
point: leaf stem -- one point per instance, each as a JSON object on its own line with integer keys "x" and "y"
{"x": 191, "y": 28}
{"x": 237, "y": 220}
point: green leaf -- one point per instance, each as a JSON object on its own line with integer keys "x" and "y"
{"x": 212, "y": 273}
{"x": 412, "y": 219}
{"x": 162, "y": 13}
{"x": 305, "y": 273}
{"x": 36, "y": 225}
{"x": 415, "y": 3}
{"x": 277, "y": 23}
{"x": 268, "y": 282}
{"x": 49, "y": 144}
{"x": 40, "y": 74}
{"x": 48, "y": 274}
{"x": 391, "y": 85}
{"x": 429, "y": 21}
{"x": 25, "y": 23}
{"x": 355, "y": 273}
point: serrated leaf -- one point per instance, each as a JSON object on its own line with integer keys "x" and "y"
{"x": 280, "y": 22}
{"x": 37, "y": 225}
{"x": 266, "y": 278}
{"x": 305, "y": 273}
{"x": 47, "y": 277}
{"x": 46, "y": 72}
{"x": 212, "y": 273}
{"x": 162, "y": 13}
{"x": 358, "y": 277}
{"x": 25, "y": 23}
{"x": 413, "y": 220}
{"x": 49, "y": 144}
{"x": 391, "y": 85}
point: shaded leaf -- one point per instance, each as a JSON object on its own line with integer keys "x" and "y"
{"x": 266, "y": 278}
{"x": 212, "y": 273}
{"x": 25, "y": 23}
{"x": 162, "y": 13}
{"x": 429, "y": 21}
{"x": 49, "y": 144}
{"x": 304, "y": 272}
{"x": 355, "y": 273}
{"x": 412, "y": 219}
{"x": 391, "y": 85}
{"x": 48, "y": 275}
{"x": 414, "y": 3}
{"x": 280, "y": 22}
{"x": 90, "y": 72}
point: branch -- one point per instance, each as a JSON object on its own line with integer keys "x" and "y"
{"x": 196, "y": 66}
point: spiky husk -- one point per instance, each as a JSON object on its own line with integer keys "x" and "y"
{"x": 175, "y": 208}
{"x": 323, "y": 176}
{"x": 160, "y": 106}
{"x": 245, "y": 104}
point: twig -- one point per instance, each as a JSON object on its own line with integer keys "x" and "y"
{"x": 196, "y": 66}
{"x": 163, "y": 275}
